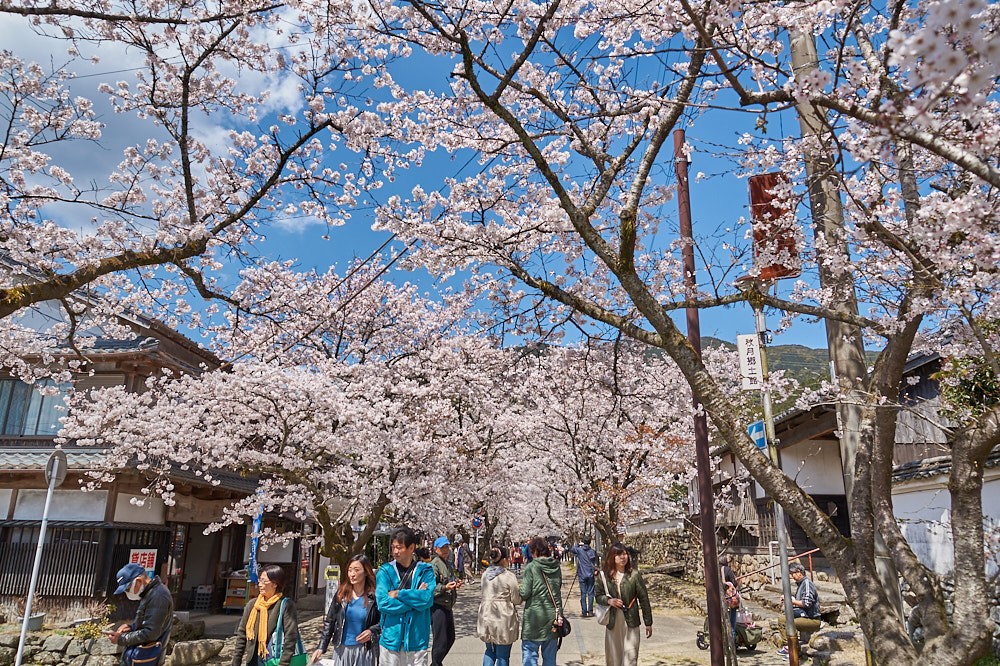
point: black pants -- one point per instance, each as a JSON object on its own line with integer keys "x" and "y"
{"x": 443, "y": 631}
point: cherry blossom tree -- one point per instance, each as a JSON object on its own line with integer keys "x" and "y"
{"x": 236, "y": 106}
{"x": 610, "y": 428}
{"x": 565, "y": 108}
{"x": 353, "y": 414}
{"x": 568, "y": 106}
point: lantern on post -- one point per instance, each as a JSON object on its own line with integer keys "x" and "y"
{"x": 775, "y": 232}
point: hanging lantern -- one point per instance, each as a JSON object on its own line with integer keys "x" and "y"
{"x": 775, "y": 230}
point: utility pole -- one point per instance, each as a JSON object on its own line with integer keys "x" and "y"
{"x": 844, "y": 341}
{"x": 760, "y": 325}
{"x": 706, "y": 494}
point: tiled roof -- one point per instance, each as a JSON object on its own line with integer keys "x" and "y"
{"x": 34, "y": 459}
{"x": 928, "y": 467}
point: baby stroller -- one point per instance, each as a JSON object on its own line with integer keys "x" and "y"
{"x": 748, "y": 634}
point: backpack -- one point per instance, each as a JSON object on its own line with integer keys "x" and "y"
{"x": 732, "y": 596}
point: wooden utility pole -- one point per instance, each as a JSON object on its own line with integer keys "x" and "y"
{"x": 706, "y": 494}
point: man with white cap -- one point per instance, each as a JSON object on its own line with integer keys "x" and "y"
{"x": 153, "y": 618}
{"x": 442, "y": 617}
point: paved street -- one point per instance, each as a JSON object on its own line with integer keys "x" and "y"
{"x": 672, "y": 643}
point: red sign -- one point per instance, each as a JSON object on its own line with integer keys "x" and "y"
{"x": 775, "y": 253}
{"x": 144, "y": 557}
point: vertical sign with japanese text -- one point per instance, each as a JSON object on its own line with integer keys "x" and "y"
{"x": 751, "y": 372}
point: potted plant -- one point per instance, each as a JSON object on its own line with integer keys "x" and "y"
{"x": 37, "y": 618}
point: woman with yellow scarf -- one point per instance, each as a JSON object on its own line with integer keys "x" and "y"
{"x": 254, "y": 644}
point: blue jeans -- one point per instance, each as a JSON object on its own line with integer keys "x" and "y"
{"x": 496, "y": 655}
{"x": 529, "y": 652}
{"x": 587, "y": 595}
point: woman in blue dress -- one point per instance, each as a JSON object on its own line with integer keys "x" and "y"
{"x": 351, "y": 625}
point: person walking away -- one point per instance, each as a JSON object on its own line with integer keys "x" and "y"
{"x": 621, "y": 587}
{"x": 516, "y": 557}
{"x": 586, "y": 564}
{"x": 153, "y": 618}
{"x": 260, "y": 622}
{"x": 541, "y": 586}
{"x": 497, "y": 624}
{"x": 404, "y": 592}
{"x": 463, "y": 559}
{"x": 351, "y": 624}
{"x": 729, "y": 578}
{"x": 445, "y": 591}
{"x": 805, "y": 604}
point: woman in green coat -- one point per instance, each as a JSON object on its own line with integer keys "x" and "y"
{"x": 620, "y": 587}
{"x": 540, "y": 590}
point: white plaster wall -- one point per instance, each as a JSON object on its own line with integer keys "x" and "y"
{"x": 924, "y": 512}
{"x": 5, "y": 494}
{"x": 276, "y": 553}
{"x": 815, "y": 466}
{"x": 66, "y": 505}
{"x": 152, "y": 512}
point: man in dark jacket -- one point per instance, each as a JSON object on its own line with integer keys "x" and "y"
{"x": 586, "y": 565}
{"x": 154, "y": 616}
{"x": 442, "y": 617}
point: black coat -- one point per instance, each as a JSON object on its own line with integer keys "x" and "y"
{"x": 333, "y": 624}
{"x": 153, "y": 618}
{"x": 245, "y": 650}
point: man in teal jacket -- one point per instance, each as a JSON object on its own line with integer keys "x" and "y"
{"x": 404, "y": 592}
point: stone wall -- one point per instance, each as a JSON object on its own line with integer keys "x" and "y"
{"x": 666, "y": 547}
{"x": 48, "y": 648}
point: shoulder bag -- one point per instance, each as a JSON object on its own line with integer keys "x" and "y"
{"x": 560, "y": 625}
{"x": 299, "y": 658}
{"x": 601, "y": 611}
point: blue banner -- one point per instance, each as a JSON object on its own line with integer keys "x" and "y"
{"x": 254, "y": 540}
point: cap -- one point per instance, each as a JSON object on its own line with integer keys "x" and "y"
{"x": 127, "y": 574}
{"x": 441, "y": 542}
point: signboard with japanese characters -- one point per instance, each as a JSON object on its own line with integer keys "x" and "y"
{"x": 144, "y": 557}
{"x": 748, "y": 347}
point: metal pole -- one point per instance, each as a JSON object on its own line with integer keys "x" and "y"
{"x": 34, "y": 570}
{"x": 706, "y": 494}
{"x": 779, "y": 512}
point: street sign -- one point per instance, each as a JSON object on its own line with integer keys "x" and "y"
{"x": 757, "y": 434}
{"x": 56, "y": 468}
{"x": 477, "y": 522}
{"x": 751, "y": 370}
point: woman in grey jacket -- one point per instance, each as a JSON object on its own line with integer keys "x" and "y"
{"x": 260, "y": 620}
{"x": 498, "y": 623}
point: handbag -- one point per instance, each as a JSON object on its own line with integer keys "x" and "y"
{"x": 601, "y": 611}
{"x": 560, "y": 625}
{"x": 299, "y": 658}
{"x": 142, "y": 655}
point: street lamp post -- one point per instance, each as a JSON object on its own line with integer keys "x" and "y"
{"x": 55, "y": 474}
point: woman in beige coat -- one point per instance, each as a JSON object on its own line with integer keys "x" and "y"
{"x": 498, "y": 622}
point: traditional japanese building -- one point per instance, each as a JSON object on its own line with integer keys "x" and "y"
{"x": 91, "y": 534}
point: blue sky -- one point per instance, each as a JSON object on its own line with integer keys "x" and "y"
{"x": 718, "y": 201}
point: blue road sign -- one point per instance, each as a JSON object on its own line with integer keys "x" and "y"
{"x": 756, "y": 432}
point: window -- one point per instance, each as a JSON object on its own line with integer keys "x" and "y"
{"x": 26, "y": 410}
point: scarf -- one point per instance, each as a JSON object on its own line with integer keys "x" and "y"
{"x": 260, "y": 607}
{"x": 493, "y": 571}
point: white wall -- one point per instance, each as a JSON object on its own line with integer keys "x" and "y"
{"x": 5, "y": 494}
{"x": 66, "y": 505}
{"x": 152, "y": 512}
{"x": 815, "y": 466}
{"x": 276, "y": 553}
{"x": 923, "y": 509}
